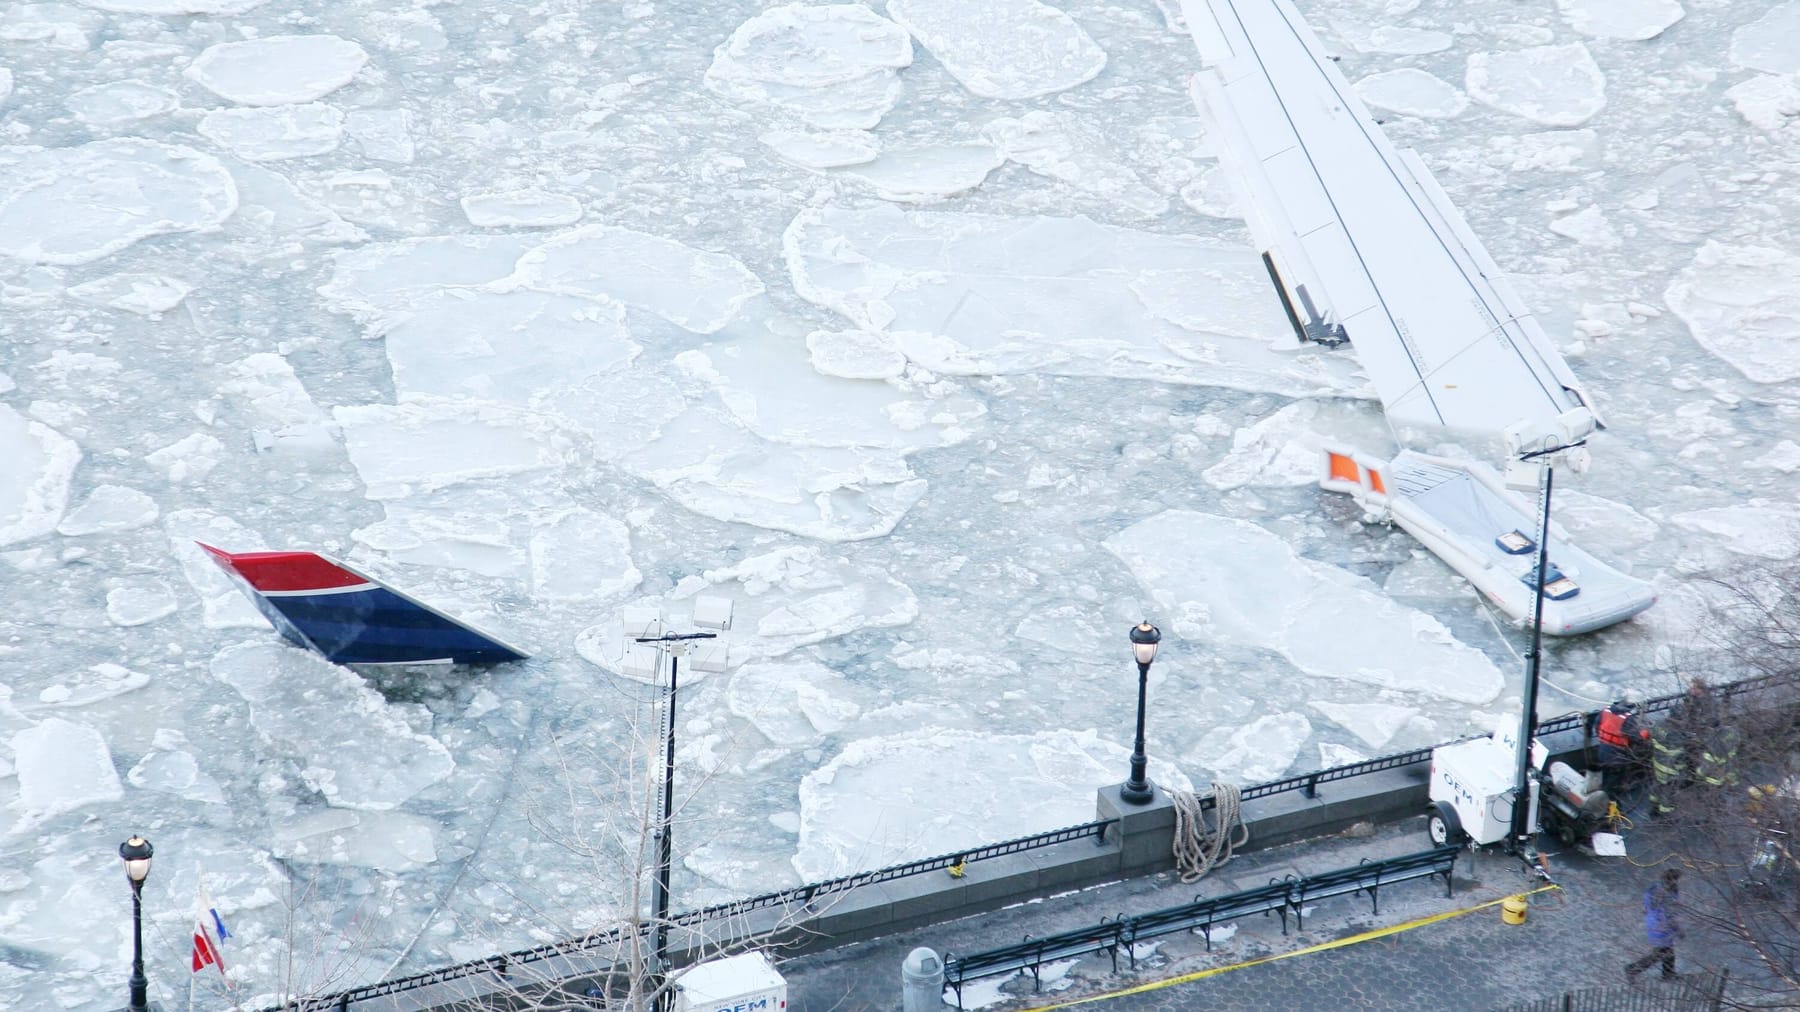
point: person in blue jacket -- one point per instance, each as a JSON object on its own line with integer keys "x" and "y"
{"x": 1661, "y": 925}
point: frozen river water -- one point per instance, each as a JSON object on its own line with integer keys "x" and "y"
{"x": 924, "y": 331}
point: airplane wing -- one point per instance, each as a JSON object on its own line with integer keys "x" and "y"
{"x": 351, "y": 618}
{"x": 1362, "y": 243}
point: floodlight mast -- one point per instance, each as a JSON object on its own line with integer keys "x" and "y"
{"x": 671, "y": 644}
{"x": 1522, "y": 828}
{"x": 710, "y": 613}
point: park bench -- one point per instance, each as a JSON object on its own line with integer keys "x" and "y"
{"x": 1370, "y": 876}
{"x": 1203, "y": 913}
{"x": 1031, "y": 954}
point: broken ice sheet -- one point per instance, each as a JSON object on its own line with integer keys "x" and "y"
{"x": 278, "y": 69}
{"x": 1375, "y": 723}
{"x": 1003, "y": 48}
{"x": 832, "y": 65}
{"x": 1558, "y": 86}
{"x": 1259, "y": 751}
{"x": 979, "y": 294}
{"x": 1244, "y": 585}
{"x": 109, "y": 509}
{"x": 792, "y": 702}
{"x": 782, "y": 600}
{"x": 60, "y": 206}
{"x": 144, "y": 294}
{"x": 1742, "y": 303}
{"x": 170, "y": 768}
{"x": 119, "y": 102}
{"x": 34, "y": 483}
{"x": 274, "y": 133}
{"x": 523, "y": 208}
{"x": 352, "y": 747}
{"x": 884, "y": 800}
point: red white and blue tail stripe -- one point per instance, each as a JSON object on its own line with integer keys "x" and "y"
{"x": 351, "y": 618}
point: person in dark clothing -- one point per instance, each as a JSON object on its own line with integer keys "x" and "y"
{"x": 1623, "y": 739}
{"x": 1661, "y": 925}
{"x": 1680, "y": 745}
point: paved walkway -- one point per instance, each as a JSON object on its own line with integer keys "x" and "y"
{"x": 1576, "y": 936}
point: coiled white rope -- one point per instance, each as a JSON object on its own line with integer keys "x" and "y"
{"x": 1199, "y": 850}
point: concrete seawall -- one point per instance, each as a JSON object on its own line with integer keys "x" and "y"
{"x": 1139, "y": 842}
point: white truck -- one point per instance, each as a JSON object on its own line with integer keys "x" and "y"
{"x": 743, "y": 983}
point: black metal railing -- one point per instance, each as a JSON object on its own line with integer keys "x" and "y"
{"x": 1280, "y": 896}
{"x": 806, "y": 896}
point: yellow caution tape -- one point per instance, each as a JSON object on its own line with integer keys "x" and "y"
{"x": 1367, "y": 936}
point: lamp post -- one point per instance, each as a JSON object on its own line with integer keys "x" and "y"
{"x": 136, "y": 854}
{"x": 1144, "y": 637}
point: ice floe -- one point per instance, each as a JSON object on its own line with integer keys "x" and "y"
{"x": 855, "y": 354}
{"x": 924, "y": 174}
{"x": 521, "y": 208}
{"x": 428, "y": 443}
{"x": 1758, "y": 528}
{"x": 1003, "y": 48}
{"x": 1769, "y": 101}
{"x": 174, "y": 7}
{"x": 1375, "y": 723}
{"x": 1231, "y": 580}
{"x": 895, "y": 798}
{"x": 1065, "y": 148}
{"x": 144, "y": 294}
{"x": 1635, "y": 20}
{"x": 189, "y": 458}
{"x": 782, "y": 600}
{"x": 61, "y": 205}
{"x": 274, "y": 133}
{"x": 109, "y": 509}
{"x": 88, "y": 686}
{"x": 134, "y": 602}
{"x": 829, "y": 149}
{"x": 34, "y": 484}
{"x": 384, "y": 135}
{"x": 1771, "y": 43}
{"x": 792, "y": 702}
{"x": 391, "y": 842}
{"x": 121, "y": 102}
{"x": 1399, "y": 40}
{"x": 271, "y": 203}
{"x": 581, "y": 554}
{"x": 973, "y": 294}
{"x": 1259, "y": 751}
{"x": 1742, "y": 303}
{"x": 1588, "y": 227}
{"x": 278, "y": 69}
{"x": 63, "y": 766}
{"x": 833, "y": 65}
{"x": 170, "y": 768}
{"x": 350, "y": 746}
{"x": 264, "y": 388}
{"x": 1412, "y": 92}
{"x": 1557, "y": 86}
{"x": 690, "y": 288}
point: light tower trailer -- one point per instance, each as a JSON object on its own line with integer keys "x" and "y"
{"x": 743, "y": 983}
{"x": 1472, "y": 791}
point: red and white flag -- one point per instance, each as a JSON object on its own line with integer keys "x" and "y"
{"x": 209, "y": 932}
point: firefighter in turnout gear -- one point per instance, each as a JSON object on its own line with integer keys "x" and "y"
{"x": 1691, "y": 747}
{"x": 1623, "y": 742}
